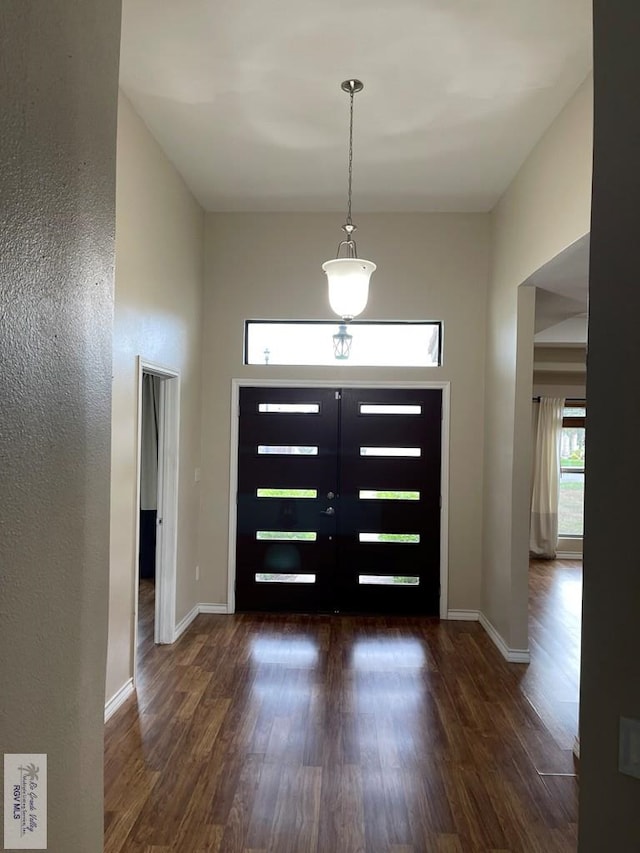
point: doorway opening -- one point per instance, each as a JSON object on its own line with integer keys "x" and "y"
{"x": 558, "y": 342}
{"x": 156, "y": 505}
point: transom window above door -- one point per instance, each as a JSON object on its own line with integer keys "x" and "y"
{"x": 312, "y": 342}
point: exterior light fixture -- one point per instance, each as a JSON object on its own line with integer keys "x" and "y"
{"x": 348, "y": 277}
{"x": 342, "y": 343}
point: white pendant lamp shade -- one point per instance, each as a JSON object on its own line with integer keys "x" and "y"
{"x": 348, "y": 280}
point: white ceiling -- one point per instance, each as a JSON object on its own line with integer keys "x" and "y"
{"x": 244, "y": 96}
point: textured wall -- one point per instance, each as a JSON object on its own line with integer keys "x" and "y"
{"x": 158, "y": 315}
{"x": 57, "y": 182}
{"x": 430, "y": 266}
{"x": 610, "y": 679}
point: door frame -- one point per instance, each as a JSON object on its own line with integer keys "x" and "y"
{"x": 167, "y": 521}
{"x": 236, "y": 384}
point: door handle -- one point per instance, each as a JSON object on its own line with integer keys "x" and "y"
{"x": 328, "y": 511}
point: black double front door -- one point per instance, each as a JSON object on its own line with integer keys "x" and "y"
{"x": 339, "y": 500}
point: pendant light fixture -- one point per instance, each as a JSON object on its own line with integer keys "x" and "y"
{"x": 348, "y": 277}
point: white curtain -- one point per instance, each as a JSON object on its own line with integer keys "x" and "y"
{"x": 546, "y": 478}
{"x": 149, "y": 442}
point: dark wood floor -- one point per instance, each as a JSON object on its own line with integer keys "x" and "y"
{"x": 552, "y": 681}
{"x": 146, "y": 615}
{"x": 301, "y": 734}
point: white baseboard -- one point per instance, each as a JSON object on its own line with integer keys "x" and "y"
{"x": 568, "y": 555}
{"x": 213, "y": 608}
{"x": 118, "y": 699}
{"x": 121, "y": 696}
{"x": 184, "y": 623}
{"x": 463, "y": 615}
{"x": 512, "y": 655}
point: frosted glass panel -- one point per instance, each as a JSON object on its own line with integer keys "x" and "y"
{"x": 387, "y": 495}
{"x": 287, "y": 535}
{"x": 288, "y": 408}
{"x": 286, "y": 493}
{"x": 391, "y": 580}
{"x": 402, "y": 538}
{"x": 263, "y": 577}
{"x": 287, "y": 450}
{"x": 384, "y": 409}
{"x": 390, "y": 451}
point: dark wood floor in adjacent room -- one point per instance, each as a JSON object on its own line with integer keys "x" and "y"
{"x": 302, "y": 734}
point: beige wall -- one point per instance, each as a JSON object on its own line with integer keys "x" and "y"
{"x": 269, "y": 266}
{"x": 57, "y": 184}
{"x": 158, "y": 305}
{"x": 545, "y": 209}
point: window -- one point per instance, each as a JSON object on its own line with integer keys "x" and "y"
{"x": 383, "y": 344}
{"x": 572, "y": 456}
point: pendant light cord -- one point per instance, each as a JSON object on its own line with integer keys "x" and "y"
{"x": 351, "y": 87}
{"x": 350, "y": 156}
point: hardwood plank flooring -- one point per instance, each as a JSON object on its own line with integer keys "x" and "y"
{"x": 552, "y": 681}
{"x": 333, "y": 734}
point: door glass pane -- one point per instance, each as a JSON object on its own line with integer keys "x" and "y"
{"x": 390, "y": 451}
{"x": 403, "y": 538}
{"x": 396, "y": 580}
{"x": 375, "y": 495}
{"x": 293, "y": 535}
{"x": 287, "y": 450}
{"x": 286, "y": 493}
{"x": 384, "y": 409}
{"x": 263, "y": 577}
{"x": 289, "y": 408}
